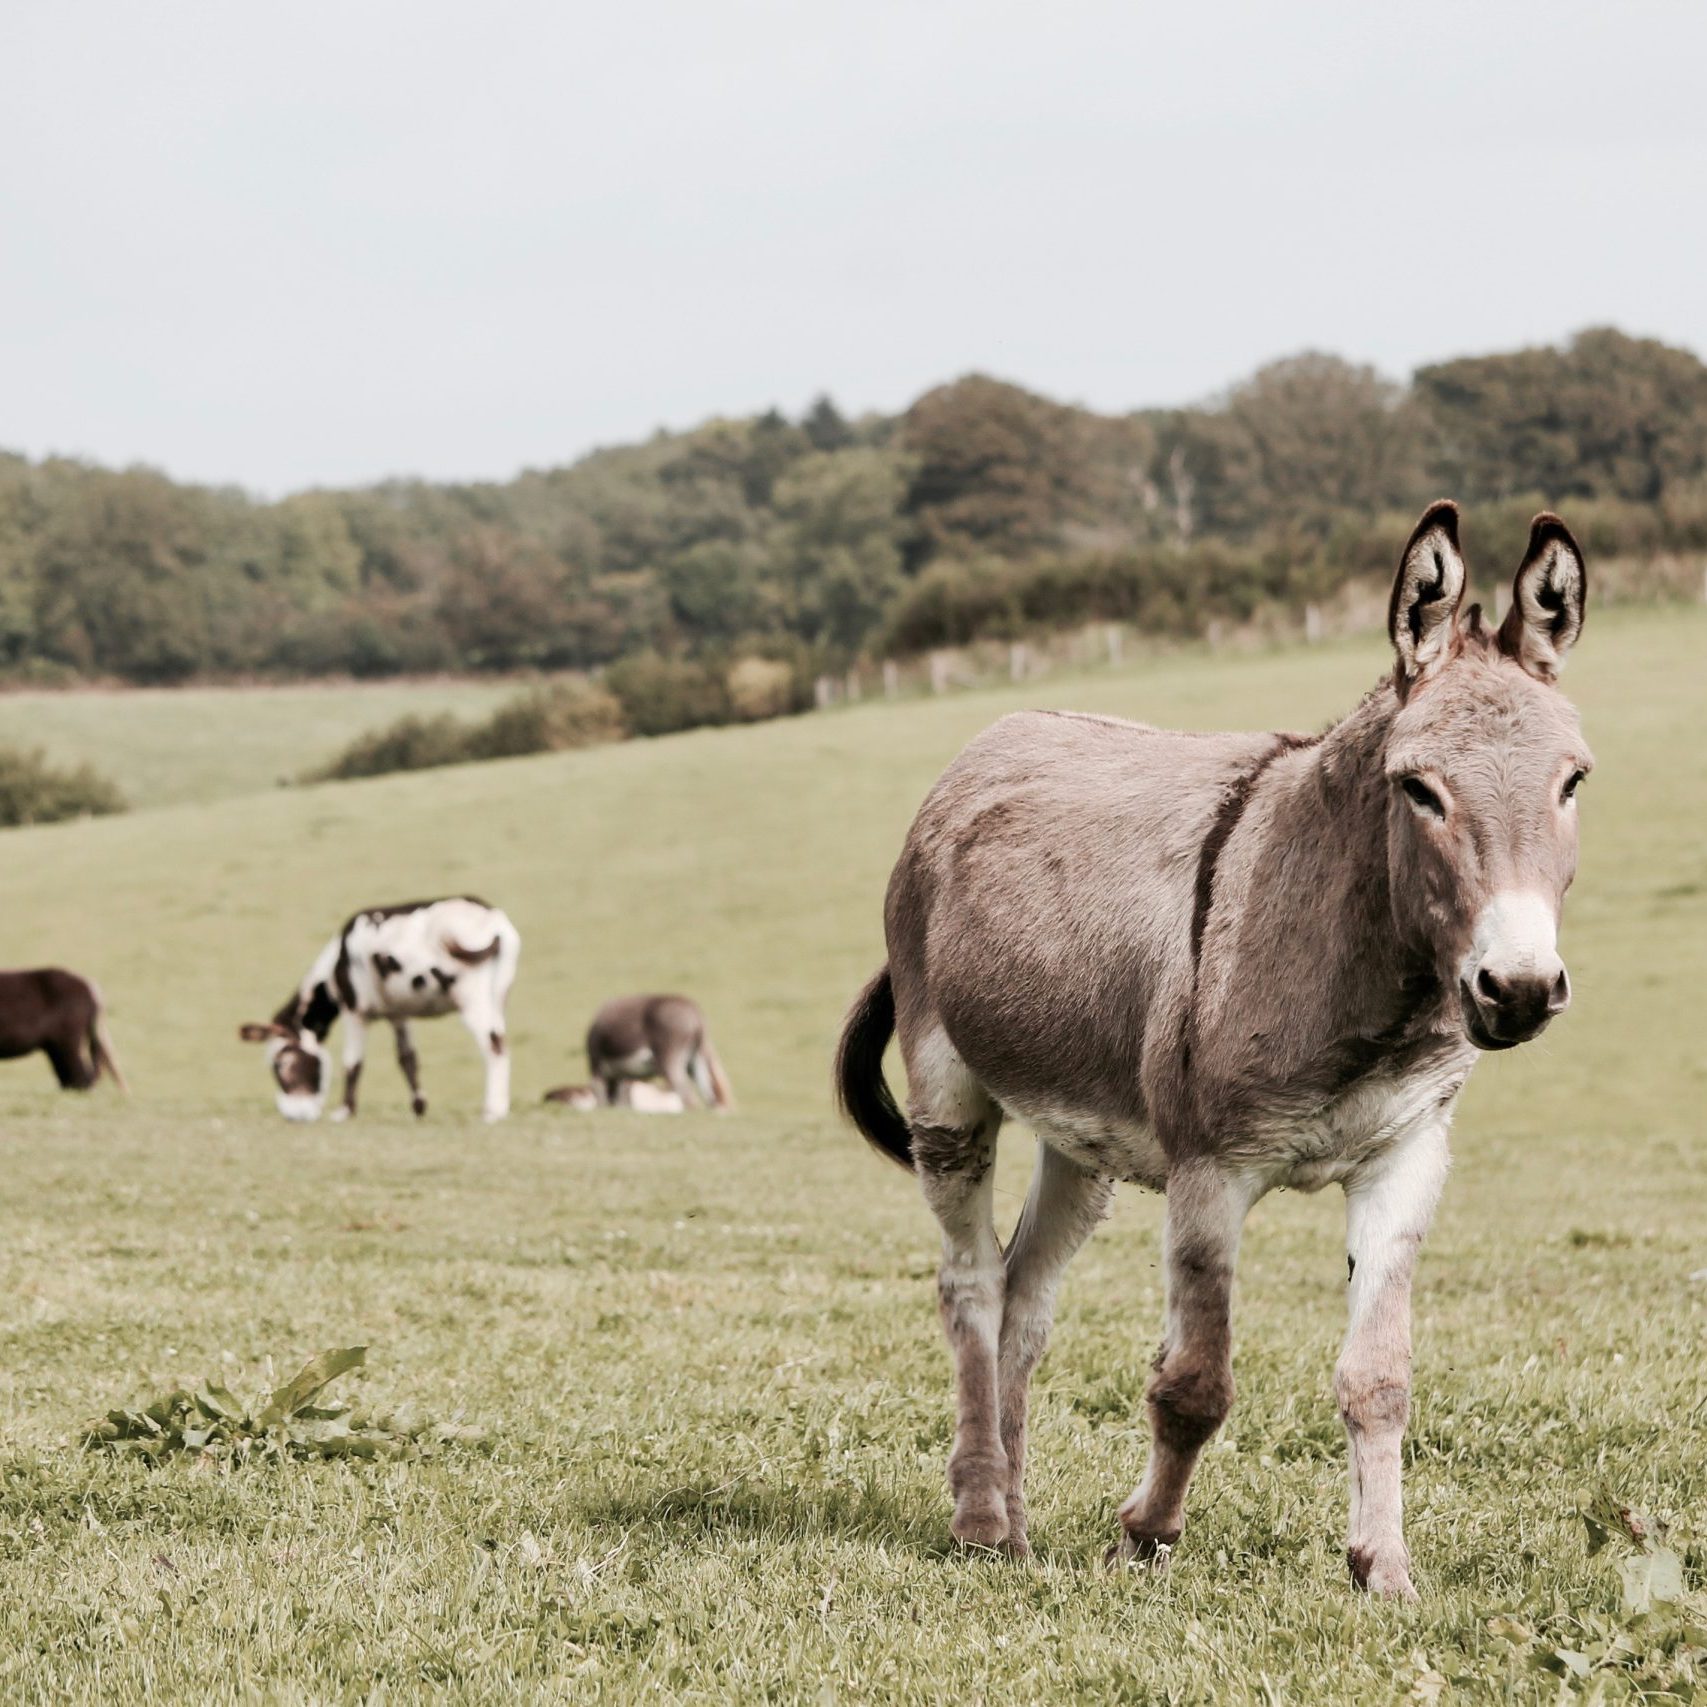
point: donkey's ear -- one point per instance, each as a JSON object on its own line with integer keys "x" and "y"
{"x": 257, "y": 1033}
{"x": 1427, "y": 592}
{"x": 1547, "y": 600}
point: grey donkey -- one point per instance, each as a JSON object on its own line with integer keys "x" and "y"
{"x": 1217, "y": 964}
{"x": 634, "y": 1039}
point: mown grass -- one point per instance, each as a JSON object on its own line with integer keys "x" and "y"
{"x": 703, "y": 1353}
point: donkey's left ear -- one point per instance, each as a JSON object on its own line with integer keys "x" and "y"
{"x": 1423, "y": 613}
{"x": 1548, "y": 598}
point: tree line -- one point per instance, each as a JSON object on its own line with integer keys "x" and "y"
{"x": 983, "y": 509}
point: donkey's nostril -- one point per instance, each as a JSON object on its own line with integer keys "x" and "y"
{"x": 1559, "y": 997}
{"x": 1488, "y": 987}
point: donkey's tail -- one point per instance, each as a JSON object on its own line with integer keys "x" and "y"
{"x": 101, "y": 1048}
{"x": 472, "y": 956}
{"x": 862, "y": 1093}
{"x": 722, "y": 1092}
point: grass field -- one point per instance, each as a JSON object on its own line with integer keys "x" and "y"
{"x": 170, "y": 745}
{"x": 704, "y": 1353}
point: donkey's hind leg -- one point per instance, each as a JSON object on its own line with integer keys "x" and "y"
{"x": 1062, "y": 1209}
{"x": 675, "y": 1063}
{"x": 954, "y": 1124}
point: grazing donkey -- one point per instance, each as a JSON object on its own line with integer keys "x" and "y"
{"x": 415, "y": 961}
{"x": 634, "y": 1038}
{"x": 60, "y": 1014}
{"x": 1214, "y": 965}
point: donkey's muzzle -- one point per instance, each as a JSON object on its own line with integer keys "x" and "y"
{"x": 1502, "y": 1010}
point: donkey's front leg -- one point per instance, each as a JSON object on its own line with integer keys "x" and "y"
{"x": 1388, "y": 1209}
{"x": 1191, "y": 1387}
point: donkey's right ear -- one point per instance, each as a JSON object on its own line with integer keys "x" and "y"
{"x": 1423, "y": 614}
{"x": 257, "y": 1033}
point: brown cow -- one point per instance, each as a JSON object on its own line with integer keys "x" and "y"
{"x": 1216, "y": 965}
{"x": 61, "y": 1014}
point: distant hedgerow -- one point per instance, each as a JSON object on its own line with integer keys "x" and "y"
{"x": 549, "y": 719}
{"x": 33, "y": 791}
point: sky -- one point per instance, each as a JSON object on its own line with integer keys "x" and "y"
{"x": 330, "y": 243}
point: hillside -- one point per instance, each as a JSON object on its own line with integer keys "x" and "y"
{"x": 170, "y": 745}
{"x": 747, "y": 865}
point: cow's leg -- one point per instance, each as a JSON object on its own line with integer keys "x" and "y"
{"x": 954, "y": 1124}
{"x": 355, "y": 1046}
{"x": 1191, "y": 1381}
{"x": 1389, "y": 1205}
{"x": 484, "y": 1017}
{"x": 410, "y": 1062}
{"x": 1064, "y": 1205}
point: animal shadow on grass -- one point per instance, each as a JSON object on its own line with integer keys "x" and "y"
{"x": 745, "y": 1507}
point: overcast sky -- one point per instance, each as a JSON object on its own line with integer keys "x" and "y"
{"x": 323, "y": 243}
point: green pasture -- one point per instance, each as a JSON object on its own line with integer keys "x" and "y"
{"x": 167, "y": 745}
{"x": 702, "y": 1354}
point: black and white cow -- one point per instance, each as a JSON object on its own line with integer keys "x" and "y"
{"x": 416, "y": 961}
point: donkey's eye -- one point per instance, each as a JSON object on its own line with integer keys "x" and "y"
{"x": 1423, "y": 797}
{"x": 1569, "y": 791}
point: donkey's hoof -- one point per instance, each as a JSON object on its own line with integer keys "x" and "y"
{"x": 1140, "y": 1552}
{"x": 1385, "y": 1578}
{"x": 419, "y": 1105}
{"x": 980, "y": 1521}
{"x": 1018, "y": 1544}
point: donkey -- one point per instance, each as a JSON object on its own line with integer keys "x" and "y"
{"x": 415, "y": 961}
{"x": 636, "y": 1038}
{"x": 61, "y": 1014}
{"x": 1217, "y": 964}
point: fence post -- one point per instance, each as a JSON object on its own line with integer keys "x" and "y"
{"x": 1312, "y": 623}
{"x": 823, "y": 691}
{"x": 1016, "y": 661}
{"x": 939, "y": 672}
{"x": 1116, "y": 638}
{"x": 891, "y": 678}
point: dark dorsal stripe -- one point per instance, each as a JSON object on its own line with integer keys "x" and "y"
{"x": 1232, "y": 808}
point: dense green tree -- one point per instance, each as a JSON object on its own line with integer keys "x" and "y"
{"x": 1607, "y": 416}
{"x": 983, "y": 510}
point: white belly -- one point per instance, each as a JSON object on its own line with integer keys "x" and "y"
{"x": 1126, "y": 1152}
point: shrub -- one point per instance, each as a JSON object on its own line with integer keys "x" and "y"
{"x": 32, "y": 791}
{"x": 412, "y": 743}
{"x": 549, "y": 719}
{"x": 760, "y": 688}
{"x": 661, "y": 695}
{"x": 546, "y": 719}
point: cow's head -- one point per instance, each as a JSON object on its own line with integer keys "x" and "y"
{"x": 296, "y": 1053}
